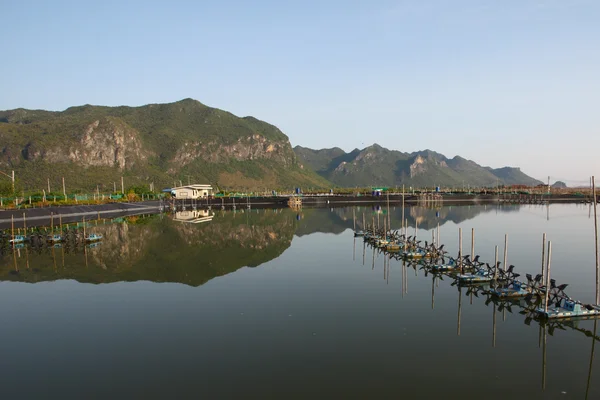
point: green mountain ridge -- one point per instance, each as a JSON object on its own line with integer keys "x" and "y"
{"x": 94, "y": 146}
{"x": 160, "y": 143}
{"x": 376, "y": 165}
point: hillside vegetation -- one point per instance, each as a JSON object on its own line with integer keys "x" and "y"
{"x": 160, "y": 143}
{"x": 378, "y": 166}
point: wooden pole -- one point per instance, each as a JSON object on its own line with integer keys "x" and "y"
{"x": 472, "y": 243}
{"x": 122, "y": 186}
{"x": 496, "y": 263}
{"x": 460, "y": 263}
{"x": 353, "y": 220}
{"x": 438, "y": 235}
{"x": 548, "y": 276}
{"x": 388, "y": 208}
{"x": 505, "y": 250}
{"x": 60, "y": 219}
{"x": 24, "y": 223}
{"x": 596, "y": 241}
{"x": 403, "y": 208}
{"x": 543, "y": 257}
{"x": 64, "y": 188}
{"x": 52, "y": 221}
{"x": 416, "y": 223}
{"x": 48, "y": 185}
{"x": 84, "y": 228}
{"x": 12, "y": 227}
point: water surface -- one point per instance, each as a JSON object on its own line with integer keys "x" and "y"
{"x": 282, "y": 303}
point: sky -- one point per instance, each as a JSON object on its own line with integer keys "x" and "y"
{"x": 504, "y": 82}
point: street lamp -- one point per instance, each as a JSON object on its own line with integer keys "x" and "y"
{"x": 11, "y": 177}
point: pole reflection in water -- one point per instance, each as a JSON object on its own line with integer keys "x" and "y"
{"x": 459, "y": 310}
{"x": 494, "y": 327}
{"x": 545, "y": 337}
{"x": 364, "y": 250}
{"x": 587, "y": 389}
{"x": 433, "y": 293}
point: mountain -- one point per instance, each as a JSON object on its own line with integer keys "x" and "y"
{"x": 378, "y": 166}
{"x": 160, "y": 143}
{"x": 559, "y": 185}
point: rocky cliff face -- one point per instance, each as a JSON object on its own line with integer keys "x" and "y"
{"x": 92, "y": 145}
{"x": 376, "y": 165}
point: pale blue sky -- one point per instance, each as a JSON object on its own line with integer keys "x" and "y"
{"x": 504, "y": 82}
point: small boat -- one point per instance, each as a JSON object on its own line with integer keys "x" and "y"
{"x": 359, "y": 233}
{"x": 93, "y": 244}
{"x": 92, "y": 237}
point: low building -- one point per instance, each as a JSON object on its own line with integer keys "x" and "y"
{"x": 192, "y": 192}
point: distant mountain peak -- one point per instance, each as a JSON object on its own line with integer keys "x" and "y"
{"x": 377, "y": 165}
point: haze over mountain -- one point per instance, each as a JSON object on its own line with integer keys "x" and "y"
{"x": 376, "y": 165}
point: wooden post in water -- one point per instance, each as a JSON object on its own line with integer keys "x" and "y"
{"x": 505, "y": 250}
{"x": 353, "y": 220}
{"x": 543, "y": 257}
{"x": 60, "y": 219}
{"x": 548, "y": 276}
{"x": 416, "y": 223}
{"x": 12, "y": 227}
{"x": 472, "y": 243}
{"x": 496, "y": 263}
{"x": 438, "y": 235}
{"x": 363, "y": 225}
{"x": 24, "y": 224}
{"x": 388, "y": 208}
{"x": 460, "y": 263}
{"x": 596, "y": 241}
{"x": 52, "y": 221}
{"x": 403, "y": 209}
{"x": 84, "y": 229}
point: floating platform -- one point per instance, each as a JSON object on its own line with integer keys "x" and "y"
{"x": 514, "y": 290}
{"x": 474, "y": 278}
{"x": 569, "y": 309}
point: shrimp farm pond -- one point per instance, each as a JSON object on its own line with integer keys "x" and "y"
{"x": 343, "y": 302}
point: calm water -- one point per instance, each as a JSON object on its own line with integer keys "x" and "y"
{"x": 281, "y": 304}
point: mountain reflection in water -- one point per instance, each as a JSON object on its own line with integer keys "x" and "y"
{"x": 194, "y": 246}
